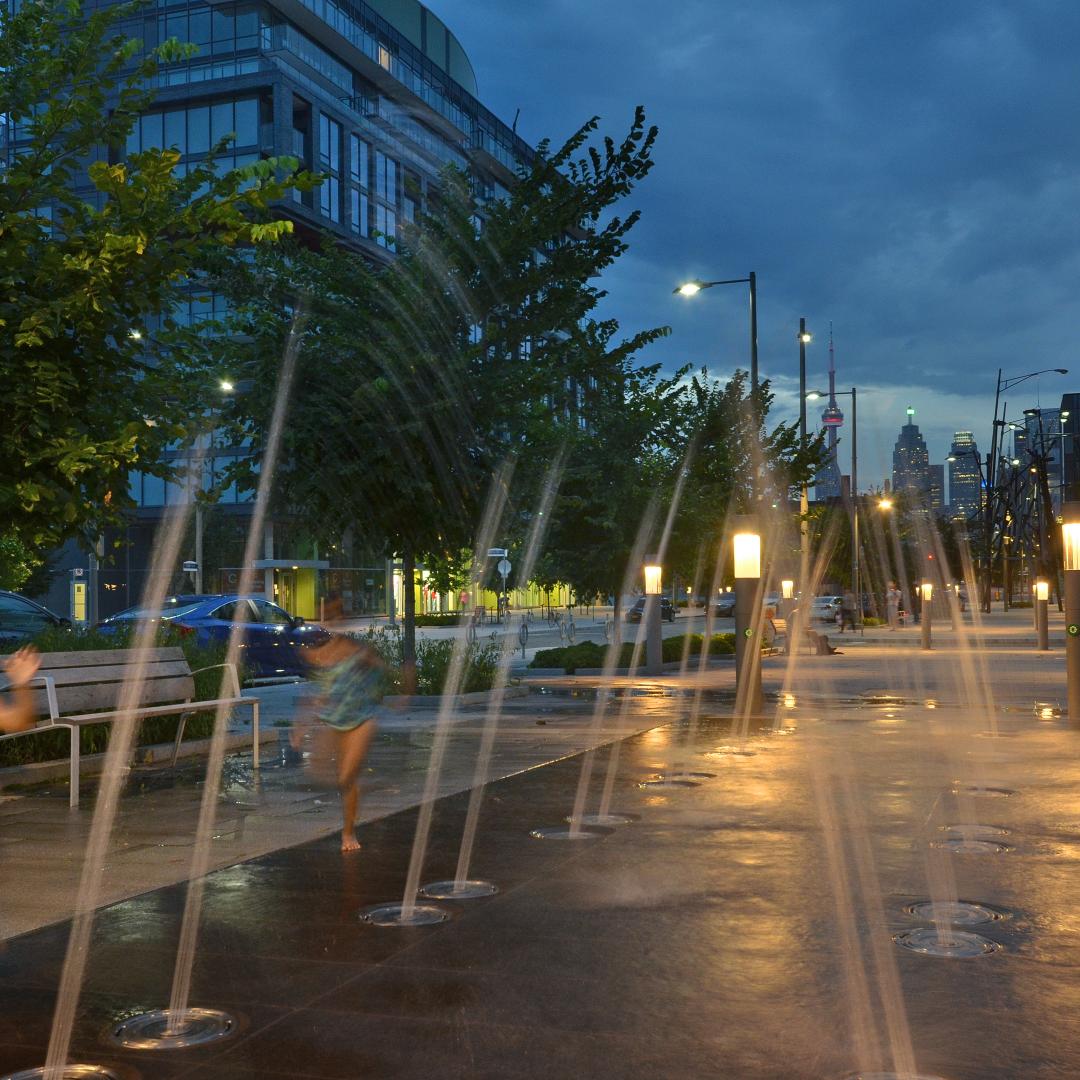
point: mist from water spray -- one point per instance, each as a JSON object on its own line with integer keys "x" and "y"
{"x": 164, "y": 556}
{"x": 200, "y": 861}
{"x": 489, "y": 525}
{"x": 534, "y": 542}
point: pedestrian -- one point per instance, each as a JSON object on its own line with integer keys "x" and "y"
{"x": 962, "y": 596}
{"x": 847, "y": 611}
{"x": 352, "y": 682}
{"x": 20, "y": 667}
{"x": 893, "y": 599}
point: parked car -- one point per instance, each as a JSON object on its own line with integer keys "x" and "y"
{"x": 825, "y": 608}
{"x": 22, "y": 619}
{"x": 638, "y": 610}
{"x": 724, "y": 608}
{"x": 273, "y": 641}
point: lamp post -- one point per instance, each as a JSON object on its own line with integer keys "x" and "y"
{"x": 805, "y": 337}
{"x": 654, "y": 650}
{"x": 787, "y": 599}
{"x": 1070, "y": 547}
{"x": 991, "y": 470}
{"x": 692, "y": 288}
{"x": 747, "y": 558}
{"x": 856, "y": 586}
{"x": 1042, "y": 595}
{"x": 927, "y": 592}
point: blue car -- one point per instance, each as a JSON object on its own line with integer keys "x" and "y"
{"x": 272, "y": 643}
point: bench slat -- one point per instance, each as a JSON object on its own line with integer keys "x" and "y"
{"x": 113, "y": 673}
{"x": 90, "y": 657}
{"x": 99, "y": 696}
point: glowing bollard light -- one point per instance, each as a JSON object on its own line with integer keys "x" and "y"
{"x": 1070, "y": 536}
{"x": 787, "y": 598}
{"x": 927, "y": 592}
{"x": 747, "y": 556}
{"x": 1042, "y": 618}
{"x": 654, "y": 649}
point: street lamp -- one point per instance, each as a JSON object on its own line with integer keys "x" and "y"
{"x": 1070, "y": 548}
{"x": 814, "y": 395}
{"x": 927, "y": 592}
{"x": 654, "y": 653}
{"x": 1003, "y": 383}
{"x": 747, "y": 558}
{"x": 805, "y": 337}
{"x": 1042, "y": 595}
{"x": 885, "y": 504}
{"x": 692, "y": 288}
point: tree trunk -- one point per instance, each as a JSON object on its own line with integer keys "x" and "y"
{"x": 616, "y": 626}
{"x": 408, "y": 621}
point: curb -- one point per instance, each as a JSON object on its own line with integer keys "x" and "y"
{"x": 37, "y": 772}
{"x": 436, "y": 701}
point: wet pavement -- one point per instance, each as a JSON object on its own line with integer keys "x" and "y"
{"x": 740, "y": 928}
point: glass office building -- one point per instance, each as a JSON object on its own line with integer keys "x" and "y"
{"x": 377, "y": 96}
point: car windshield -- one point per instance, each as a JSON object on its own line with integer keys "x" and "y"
{"x": 170, "y": 612}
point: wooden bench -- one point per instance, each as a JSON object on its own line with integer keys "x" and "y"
{"x": 80, "y": 688}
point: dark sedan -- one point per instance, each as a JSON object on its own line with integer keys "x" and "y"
{"x": 724, "y": 608}
{"x": 22, "y": 619}
{"x": 638, "y": 610}
{"x": 272, "y": 640}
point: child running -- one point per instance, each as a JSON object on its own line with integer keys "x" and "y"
{"x": 352, "y": 686}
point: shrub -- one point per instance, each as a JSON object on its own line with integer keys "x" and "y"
{"x": 432, "y": 661}
{"x": 94, "y": 738}
{"x": 589, "y": 654}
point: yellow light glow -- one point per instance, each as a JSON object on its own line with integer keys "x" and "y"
{"x": 690, "y": 288}
{"x": 884, "y": 504}
{"x": 653, "y": 575}
{"x": 789, "y": 701}
{"x": 226, "y": 386}
{"x": 1070, "y": 536}
{"x": 747, "y": 555}
{"x": 1042, "y": 590}
{"x": 787, "y": 589}
{"x": 806, "y": 338}
{"x": 927, "y": 589}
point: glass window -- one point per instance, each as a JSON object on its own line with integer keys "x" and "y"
{"x": 198, "y": 133}
{"x": 153, "y": 491}
{"x": 221, "y": 120}
{"x": 21, "y": 616}
{"x": 150, "y": 126}
{"x": 199, "y": 28}
{"x": 174, "y": 130}
{"x": 236, "y": 611}
{"x": 223, "y": 30}
{"x": 359, "y": 212}
{"x": 271, "y": 614}
{"x": 358, "y": 161}
{"x": 247, "y": 122}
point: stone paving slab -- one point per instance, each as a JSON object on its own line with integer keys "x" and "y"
{"x": 742, "y": 928}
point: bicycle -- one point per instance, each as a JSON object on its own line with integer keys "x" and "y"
{"x": 567, "y": 630}
{"x": 470, "y": 628}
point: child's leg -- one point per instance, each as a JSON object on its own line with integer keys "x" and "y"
{"x": 354, "y": 748}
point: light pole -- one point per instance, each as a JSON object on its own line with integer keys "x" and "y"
{"x": 692, "y": 288}
{"x": 747, "y": 558}
{"x": 927, "y": 592}
{"x": 1070, "y": 547}
{"x": 805, "y": 337}
{"x": 991, "y": 468}
{"x": 654, "y": 649}
{"x": 813, "y": 395}
{"x": 1042, "y": 595}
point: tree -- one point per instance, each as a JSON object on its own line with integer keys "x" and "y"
{"x": 419, "y": 380}
{"x": 93, "y": 249}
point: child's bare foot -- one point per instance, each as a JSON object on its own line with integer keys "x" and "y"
{"x": 349, "y": 842}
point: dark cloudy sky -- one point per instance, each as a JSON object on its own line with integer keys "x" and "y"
{"x": 906, "y": 169}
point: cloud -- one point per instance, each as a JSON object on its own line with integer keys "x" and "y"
{"x": 909, "y": 172}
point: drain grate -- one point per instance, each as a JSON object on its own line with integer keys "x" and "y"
{"x": 953, "y": 944}
{"x": 955, "y": 912}
{"x": 961, "y": 846}
{"x": 71, "y": 1072}
{"x": 557, "y": 832}
{"x": 162, "y": 1030}
{"x": 974, "y": 832}
{"x": 977, "y": 791}
{"x": 396, "y": 915}
{"x": 608, "y": 820}
{"x": 664, "y": 782}
{"x": 458, "y": 890}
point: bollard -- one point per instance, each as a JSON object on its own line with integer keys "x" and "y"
{"x": 927, "y": 590}
{"x": 1042, "y": 618}
{"x": 747, "y": 553}
{"x": 1070, "y": 534}
{"x": 654, "y": 648}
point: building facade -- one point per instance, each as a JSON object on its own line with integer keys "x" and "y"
{"x": 911, "y": 463}
{"x": 378, "y": 96}
{"x": 965, "y": 480}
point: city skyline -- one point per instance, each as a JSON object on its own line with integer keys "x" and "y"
{"x": 895, "y": 151}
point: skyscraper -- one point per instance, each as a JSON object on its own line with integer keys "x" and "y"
{"x": 965, "y": 483}
{"x": 827, "y": 482}
{"x": 911, "y": 462}
{"x": 936, "y": 489}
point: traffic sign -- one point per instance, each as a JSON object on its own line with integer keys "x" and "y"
{"x": 191, "y": 567}
{"x": 504, "y": 567}
{"x": 497, "y": 553}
